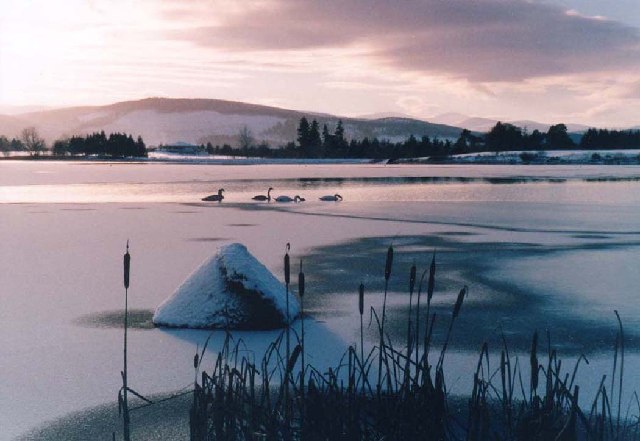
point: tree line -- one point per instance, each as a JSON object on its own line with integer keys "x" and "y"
{"x": 509, "y": 137}
{"x": 610, "y": 139}
{"x": 13, "y": 145}
{"x": 29, "y": 141}
{"x": 116, "y": 145}
{"x": 313, "y": 142}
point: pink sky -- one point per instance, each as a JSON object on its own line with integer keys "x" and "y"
{"x": 552, "y": 61}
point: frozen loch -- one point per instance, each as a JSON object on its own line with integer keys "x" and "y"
{"x": 231, "y": 289}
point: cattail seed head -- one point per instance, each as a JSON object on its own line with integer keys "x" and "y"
{"x": 196, "y": 361}
{"x": 534, "y": 361}
{"x": 361, "y": 298}
{"x": 432, "y": 277}
{"x": 458, "y": 305}
{"x": 294, "y": 357}
{"x": 301, "y": 281}
{"x": 412, "y": 278}
{"x": 127, "y": 266}
{"x": 389, "y": 263}
{"x": 287, "y": 268}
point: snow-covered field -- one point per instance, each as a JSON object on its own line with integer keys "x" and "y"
{"x": 540, "y": 247}
{"x": 571, "y": 156}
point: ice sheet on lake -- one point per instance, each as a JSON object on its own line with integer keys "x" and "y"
{"x": 231, "y": 289}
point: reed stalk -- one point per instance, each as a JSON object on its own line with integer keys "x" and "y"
{"x": 301, "y": 288}
{"x": 287, "y": 280}
{"x": 361, "y": 310}
{"x": 387, "y": 273}
{"x": 125, "y": 387}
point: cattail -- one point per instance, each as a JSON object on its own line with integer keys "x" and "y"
{"x": 287, "y": 270}
{"x": 287, "y": 279}
{"x": 503, "y": 377}
{"x": 458, "y": 305}
{"x": 432, "y": 277}
{"x": 412, "y": 278}
{"x": 361, "y": 308}
{"x": 300, "y": 281}
{"x": 387, "y": 274}
{"x": 301, "y": 293}
{"x": 293, "y": 359}
{"x": 125, "y": 419}
{"x": 127, "y": 265}
{"x": 389, "y": 263}
{"x": 534, "y": 361}
{"x": 196, "y": 361}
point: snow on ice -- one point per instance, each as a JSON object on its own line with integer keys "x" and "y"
{"x": 231, "y": 289}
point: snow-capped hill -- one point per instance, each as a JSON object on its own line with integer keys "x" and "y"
{"x": 231, "y": 289}
{"x": 198, "y": 121}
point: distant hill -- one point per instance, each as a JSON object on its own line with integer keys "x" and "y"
{"x": 479, "y": 124}
{"x": 380, "y": 115}
{"x": 11, "y": 126}
{"x": 167, "y": 121}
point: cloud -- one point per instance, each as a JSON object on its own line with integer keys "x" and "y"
{"x": 632, "y": 92}
{"x": 476, "y": 40}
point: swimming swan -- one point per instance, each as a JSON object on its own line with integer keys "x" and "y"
{"x": 335, "y": 197}
{"x": 215, "y": 197}
{"x": 262, "y": 197}
{"x": 296, "y": 199}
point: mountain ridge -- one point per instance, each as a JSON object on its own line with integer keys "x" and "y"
{"x": 200, "y": 120}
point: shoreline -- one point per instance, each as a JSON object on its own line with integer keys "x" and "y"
{"x": 515, "y": 157}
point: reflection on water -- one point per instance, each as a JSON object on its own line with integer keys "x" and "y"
{"x": 617, "y": 191}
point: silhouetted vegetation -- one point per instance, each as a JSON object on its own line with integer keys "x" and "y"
{"x": 32, "y": 141}
{"x": 6, "y": 146}
{"x": 312, "y": 142}
{"x": 279, "y": 397}
{"x": 315, "y": 143}
{"x": 332, "y": 143}
{"x": 610, "y": 139}
{"x": 117, "y": 145}
{"x": 504, "y": 137}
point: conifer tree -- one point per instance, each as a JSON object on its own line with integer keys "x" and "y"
{"x": 303, "y": 133}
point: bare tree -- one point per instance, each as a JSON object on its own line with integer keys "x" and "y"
{"x": 32, "y": 141}
{"x": 245, "y": 138}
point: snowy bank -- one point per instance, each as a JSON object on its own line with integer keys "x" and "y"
{"x": 231, "y": 289}
{"x": 550, "y": 157}
{"x": 156, "y": 156}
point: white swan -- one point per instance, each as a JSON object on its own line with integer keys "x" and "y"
{"x": 336, "y": 197}
{"x": 262, "y": 197}
{"x": 296, "y": 199}
{"x": 215, "y": 197}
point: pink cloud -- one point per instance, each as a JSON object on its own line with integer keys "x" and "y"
{"x": 482, "y": 41}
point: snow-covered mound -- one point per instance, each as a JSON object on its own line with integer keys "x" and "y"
{"x": 230, "y": 289}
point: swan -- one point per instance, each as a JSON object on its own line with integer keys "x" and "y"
{"x": 215, "y": 197}
{"x": 262, "y": 197}
{"x": 296, "y": 199}
{"x": 336, "y": 197}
